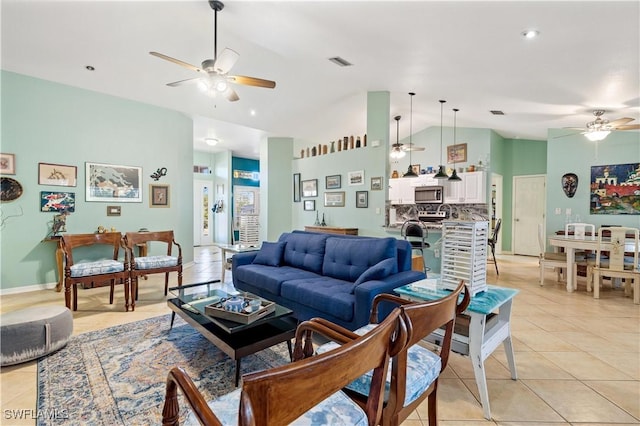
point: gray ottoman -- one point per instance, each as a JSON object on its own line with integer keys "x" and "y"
{"x": 30, "y": 333}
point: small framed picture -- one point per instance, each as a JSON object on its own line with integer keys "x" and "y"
{"x": 376, "y": 183}
{"x": 113, "y": 210}
{"x": 356, "y": 178}
{"x": 457, "y": 153}
{"x": 296, "y": 188}
{"x": 57, "y": 174}
{"x": 415, "y": 168}
{"x": 333, "y": 181}
{"x": 362, "y": 199}
{"x": 310, "y": 205}
{"x": 310, "y": 188}
{"x": 158, "y": 195}
{"x": 334, "y": 199}
{"x": 7, "y": 164}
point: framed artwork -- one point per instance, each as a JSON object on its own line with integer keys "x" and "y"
{"x": 158, "y": 195}
{"x": 362, "y": 199}
{"x": 310, "y": 205}
{"x": 7, "y": 164}
{"x": 614, "y": 189}
{"x": 111, "y": 183}
{"x": 334, "y": 199}
{"x": 333, "y": 181}
{"x": 57, "y": 175}
{"x": 457, "y": 153}
{"x": 356, "y": 178}
{"x": 310, "y": 188}
{"x": 57, "y": 201}
{"x": 296, "y": 188}
{"x": 415, "y": 168}
{"x": 376, "y": 183}
{"x": 113, "y": 211}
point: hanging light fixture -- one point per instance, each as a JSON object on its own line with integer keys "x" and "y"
{"x": 441, "y": 173}
{"x": 396, "y": 151}
{"x": 410, "y": 172}
{"x": 454, "y": 176}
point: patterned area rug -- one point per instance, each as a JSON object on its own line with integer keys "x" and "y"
{"x": 117, "y": 376}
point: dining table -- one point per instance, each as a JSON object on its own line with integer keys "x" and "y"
{"x": 571, "y": 244}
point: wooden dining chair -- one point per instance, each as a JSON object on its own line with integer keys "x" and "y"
{"x": 78, "y": 270}
{"x": 146, "y": 264}
{"x": 415, "y": 369}
{"x": 546, "y": 259}
{"x": 618, "y": 263}
{"x": 303, "y": 391}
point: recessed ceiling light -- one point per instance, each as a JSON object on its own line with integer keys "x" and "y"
{"x": 252, "y": 112}
{"x": 90, "y": 68}
{"x": 211, "y": 141}
{"x": 530, "y": 33}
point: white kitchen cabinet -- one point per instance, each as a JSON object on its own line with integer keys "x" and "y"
{"x": 472, "y": 189}
{"x": 425, "y": 180}
{"x": 402, "y": 191}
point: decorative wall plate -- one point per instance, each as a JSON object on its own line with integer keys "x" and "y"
{"x": 569, "y": 184}
{"x": 11, "y": 189}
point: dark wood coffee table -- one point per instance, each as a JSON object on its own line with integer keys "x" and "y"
{"x": 234, "y": 339}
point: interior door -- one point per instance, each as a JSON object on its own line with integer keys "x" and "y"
{"x": 528, "y": 212}
{"x": 202, "y": 203}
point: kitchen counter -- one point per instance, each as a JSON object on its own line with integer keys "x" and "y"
{"x": 430, "y": 226}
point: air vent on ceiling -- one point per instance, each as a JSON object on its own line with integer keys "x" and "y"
{"x": 496, "y": 112}
{"x": 339, "y": 61}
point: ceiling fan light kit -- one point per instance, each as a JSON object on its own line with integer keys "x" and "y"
{"x": 441, "y": 172}
{"x": 396, "y": 151}
{"x": 410, "y": 173}
{"x": 600, "y": 128}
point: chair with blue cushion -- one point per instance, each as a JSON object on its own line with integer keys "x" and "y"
{"x": 83, "y": 269}
{"x": 414, "y": 370}
{"x": 156, "y": 264}
{"x": 307, "y": 391}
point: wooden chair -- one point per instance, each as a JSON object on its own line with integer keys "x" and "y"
{"x": 159, "y": 264}
{"x": 304, "y": 388}
{"x": 617, "y": 265}
{"x": 415, "y": 369}
{"x": 90, "y": 272}
{"x": 493, "y": 241}
{"x": 558, "y": 261}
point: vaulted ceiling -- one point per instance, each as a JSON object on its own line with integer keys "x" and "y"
{"x": 586, "y": 57}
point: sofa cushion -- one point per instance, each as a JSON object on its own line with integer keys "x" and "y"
{"x": 333, "y": 296}
{"x": 270, "y": 278}
{"x": 304, "y": 251}
{"x": 379, "y": 271}
{"x": 270, "y": 253}
{"x": 347, "y": 258}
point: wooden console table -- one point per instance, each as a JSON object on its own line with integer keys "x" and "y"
{"x": 59, "y": 260}
{"x": 332, "y": 230}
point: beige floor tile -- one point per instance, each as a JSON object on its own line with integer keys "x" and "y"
{"x": 545, "y": 341}
{"x": 412, "y": 422}
{"x": 586, "y": 341}
{"x": 584, "y": 366}
{"x": 555, "y": 323}
{"x": 625, "y": 342}
{"x": 576, "y": 402}
{"x": 511, "y": 400}
{"x": 625, "y": 394}
{"x": 455, "y": 402}
{"x": 493, "y": 369}
{"x": 627, "y": 362}
{"x": 532, "y": 365}
{"x": 531, "y": 423}
{"x": 465, "y": 423}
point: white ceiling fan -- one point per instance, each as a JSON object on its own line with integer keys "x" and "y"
{"x": 600, "y": 128}
{"x": 214, "y": 78}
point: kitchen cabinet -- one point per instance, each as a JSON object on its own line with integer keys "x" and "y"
{"x": 402, "y": 191}
{"x": 472, "y": 189}
{"x": 425, "y": 180}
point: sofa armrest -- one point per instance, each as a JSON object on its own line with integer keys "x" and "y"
{"x": 367, "y": 291}
{"x": 240, "y": 259}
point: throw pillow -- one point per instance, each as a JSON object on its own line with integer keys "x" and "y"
{"x": 380, "y": 270}
{"x": 270, "y": 254}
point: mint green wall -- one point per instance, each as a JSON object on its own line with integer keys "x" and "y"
{"x": 54, "y": 123}
{"x": 276, "y": 183}
{"x": 576, "y": 154}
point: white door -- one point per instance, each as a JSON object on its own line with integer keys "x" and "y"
{"x": 528, "y": 212}
{"x": 202, "y": 203}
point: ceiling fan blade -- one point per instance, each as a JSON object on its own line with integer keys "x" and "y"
{"x": 628, "y": 127}
{"x": 413, "y": 147}
{"x": 182, "y": 82}
{"x": 177, "y": 61}
{"x": 252, "y": 81}
{"x": 225, "y": 61}
{"x": 231, "y": 95}
{"x": 619, "y": 122}
{"x": 569, "y": 134}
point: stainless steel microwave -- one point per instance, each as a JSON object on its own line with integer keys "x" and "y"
{"x": 429, "y": 194}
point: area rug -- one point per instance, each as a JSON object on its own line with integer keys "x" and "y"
{"x": 117, "y": 376}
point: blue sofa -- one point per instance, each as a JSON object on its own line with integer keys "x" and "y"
{"x": 322, "y": 275}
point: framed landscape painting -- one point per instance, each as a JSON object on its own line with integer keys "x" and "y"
{"x": 615, "y": 189}
{"x": 112, "y": 183}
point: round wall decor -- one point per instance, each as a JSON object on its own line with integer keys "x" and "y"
{"x": 10, "y": 189}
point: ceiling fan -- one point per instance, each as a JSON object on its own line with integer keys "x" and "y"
{"x": 215, "y": 78}
{"x": 600, "y": 128}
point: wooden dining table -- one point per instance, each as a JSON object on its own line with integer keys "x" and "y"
{"x": 571, "y": 244}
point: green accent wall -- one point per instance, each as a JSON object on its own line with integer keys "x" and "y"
{"x": 54, "y": 123}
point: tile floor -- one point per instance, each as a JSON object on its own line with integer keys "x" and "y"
{"x": 578, "y": 359}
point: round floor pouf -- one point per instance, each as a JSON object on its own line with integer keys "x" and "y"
{"x": 30, "y": 333}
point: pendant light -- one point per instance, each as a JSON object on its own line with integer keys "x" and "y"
{"x": 396, "y": 151}
{"x": 454, "y": 176}
{"x": 410, "y": 173}
{"x": 441, "y": 173}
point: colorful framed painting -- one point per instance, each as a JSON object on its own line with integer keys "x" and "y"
{"x": 7, "y": 164}
{"x": 57, "y": 175}
{"x": 112, "y": 183}
{"x": 158, "y": 195}
{"x": 57, "y": 201}
{"x": 457, "y": 153}
{"x": 615, "y": 189}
